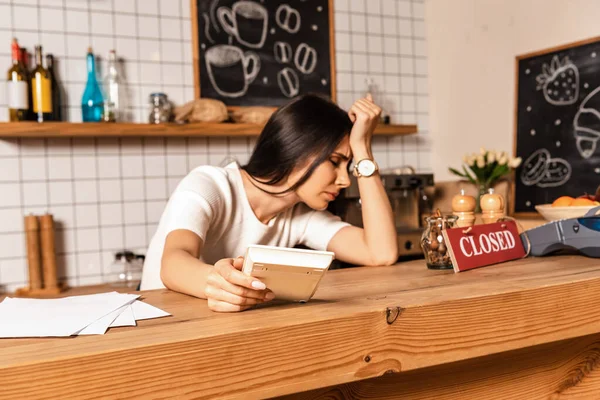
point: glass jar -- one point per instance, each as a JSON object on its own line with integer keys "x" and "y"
{"x": 134, "y": 274}
{"x": 117, "y": 271}
{"x": 160, "y": 108}
{"x": 433, "y": 243}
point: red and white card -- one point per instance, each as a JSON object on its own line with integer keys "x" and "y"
{"x": 482, "y": 245}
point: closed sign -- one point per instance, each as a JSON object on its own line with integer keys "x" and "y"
{"x": 483, "y": 245}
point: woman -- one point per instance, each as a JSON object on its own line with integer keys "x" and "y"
{"x": 300, "y": 164}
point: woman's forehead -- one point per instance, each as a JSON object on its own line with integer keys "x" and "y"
{"x": 344, "y": 147}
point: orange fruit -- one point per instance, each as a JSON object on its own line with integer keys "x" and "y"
{"x": 582, "y": 202}
{"x": 563, "y": 201}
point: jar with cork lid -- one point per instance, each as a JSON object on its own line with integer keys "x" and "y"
{"x": 433, "y": 242}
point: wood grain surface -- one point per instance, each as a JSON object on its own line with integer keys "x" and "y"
{"x": 564, "y": 370}
{"x": 340, "y": 337}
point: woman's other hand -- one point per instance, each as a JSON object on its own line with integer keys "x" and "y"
{"x": 228, "y": 289}
{"x": 365, "y": 115}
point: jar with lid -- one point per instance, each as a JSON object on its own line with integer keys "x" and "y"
{"x": 433, "y": 242}
{"x": 160, "y": 108}
{"x": 118, "y": 270}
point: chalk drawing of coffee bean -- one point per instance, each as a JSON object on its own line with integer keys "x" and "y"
{"x": 282, "y": 52}
{"x": 288, "y": 81}
{"x": 305, "y": 58}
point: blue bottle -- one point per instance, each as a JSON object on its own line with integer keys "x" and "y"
{"x": 92, "y": 102}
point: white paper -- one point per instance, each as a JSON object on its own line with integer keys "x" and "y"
{"x": 125, "y": 319}
{"x": 143, "y": 310}
{"x": 58, "y": 317}
{"x": 99, "y": 327}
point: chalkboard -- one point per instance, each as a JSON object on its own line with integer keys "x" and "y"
{"x": 263, "y": 53}
{"x": 557, "y": 124}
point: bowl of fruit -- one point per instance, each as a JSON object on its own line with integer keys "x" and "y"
{"x": 569, "y": 207}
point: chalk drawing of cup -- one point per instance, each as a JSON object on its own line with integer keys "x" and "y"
{"x": 246, "y": 21}
{"x": 230, "y": 70}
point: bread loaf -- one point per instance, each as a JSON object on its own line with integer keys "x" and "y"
{"x": 202, "y": 110}
{"x": 252, "y": 115}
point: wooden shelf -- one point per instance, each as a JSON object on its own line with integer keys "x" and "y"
{"x": 15, "y": 130}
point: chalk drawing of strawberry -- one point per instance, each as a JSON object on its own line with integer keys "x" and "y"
{"x": 559, "y": 81}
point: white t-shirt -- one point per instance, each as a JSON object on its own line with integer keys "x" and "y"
{"x": 212, "y": 203}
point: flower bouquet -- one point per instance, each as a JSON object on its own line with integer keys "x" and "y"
{"x": 486, "y": 168}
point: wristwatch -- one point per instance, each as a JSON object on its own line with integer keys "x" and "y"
{"x": 365, "y": 167}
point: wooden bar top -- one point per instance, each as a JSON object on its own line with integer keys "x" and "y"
{"x": 361, "y": 323}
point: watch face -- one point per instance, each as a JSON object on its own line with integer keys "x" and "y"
{"x": 366, "y": 167}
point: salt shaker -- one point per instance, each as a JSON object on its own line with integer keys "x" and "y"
{"x": 463, "y": 206}
{"x": 492, "y": 207}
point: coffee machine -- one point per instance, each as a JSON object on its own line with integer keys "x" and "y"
{"x": 406, "y": 192}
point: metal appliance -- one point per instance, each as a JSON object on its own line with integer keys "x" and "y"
{"x": 573, "y": 234}
{"x": 406, "y": 191}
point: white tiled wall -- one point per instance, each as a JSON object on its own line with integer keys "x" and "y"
{"x": 108, "y": 194}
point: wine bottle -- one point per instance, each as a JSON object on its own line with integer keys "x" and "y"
{"x": 92, "y": 102}
{"x": 56, "y": 93}
{"x": 25, "y": 58}
{"x": 17, "y": 86}
{"x": 112, "y": 102}
{"x": 41, "y": 89}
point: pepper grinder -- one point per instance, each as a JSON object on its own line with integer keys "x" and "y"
{"x": 463, "y": 206}
{"x": 48, "y": 252}
{"x": 492, "y": 207}
{"x": 32, "y": 228}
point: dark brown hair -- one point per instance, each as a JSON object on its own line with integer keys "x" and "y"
{"x": 308, "y": 126}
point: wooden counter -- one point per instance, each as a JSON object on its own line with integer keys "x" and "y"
{"x": 528, "y": 329}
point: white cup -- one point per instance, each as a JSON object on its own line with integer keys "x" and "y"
{"x": 230, "y": 70}
{"x": 246, "y": 21}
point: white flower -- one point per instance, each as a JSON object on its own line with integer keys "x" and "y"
{"x": 471, "y": 161}
{"x": 503, "y": 160}
{"x": 499, "y": 155}
{"x": 491, "y": 157}
{"x": 480, "y": 162}
{"x": 515, "y": 162}
{"x": 466, "y": 159}
{"x": 483, "y": 151}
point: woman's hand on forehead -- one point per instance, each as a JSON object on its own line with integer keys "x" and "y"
{"x": 365, "y": 115}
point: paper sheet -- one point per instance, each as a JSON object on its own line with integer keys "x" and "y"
{"x": 125, "y": 319}
{"x": 75, "y": 315}
{"x": 143, "y": 310}
{"x": 100, "y": 326}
